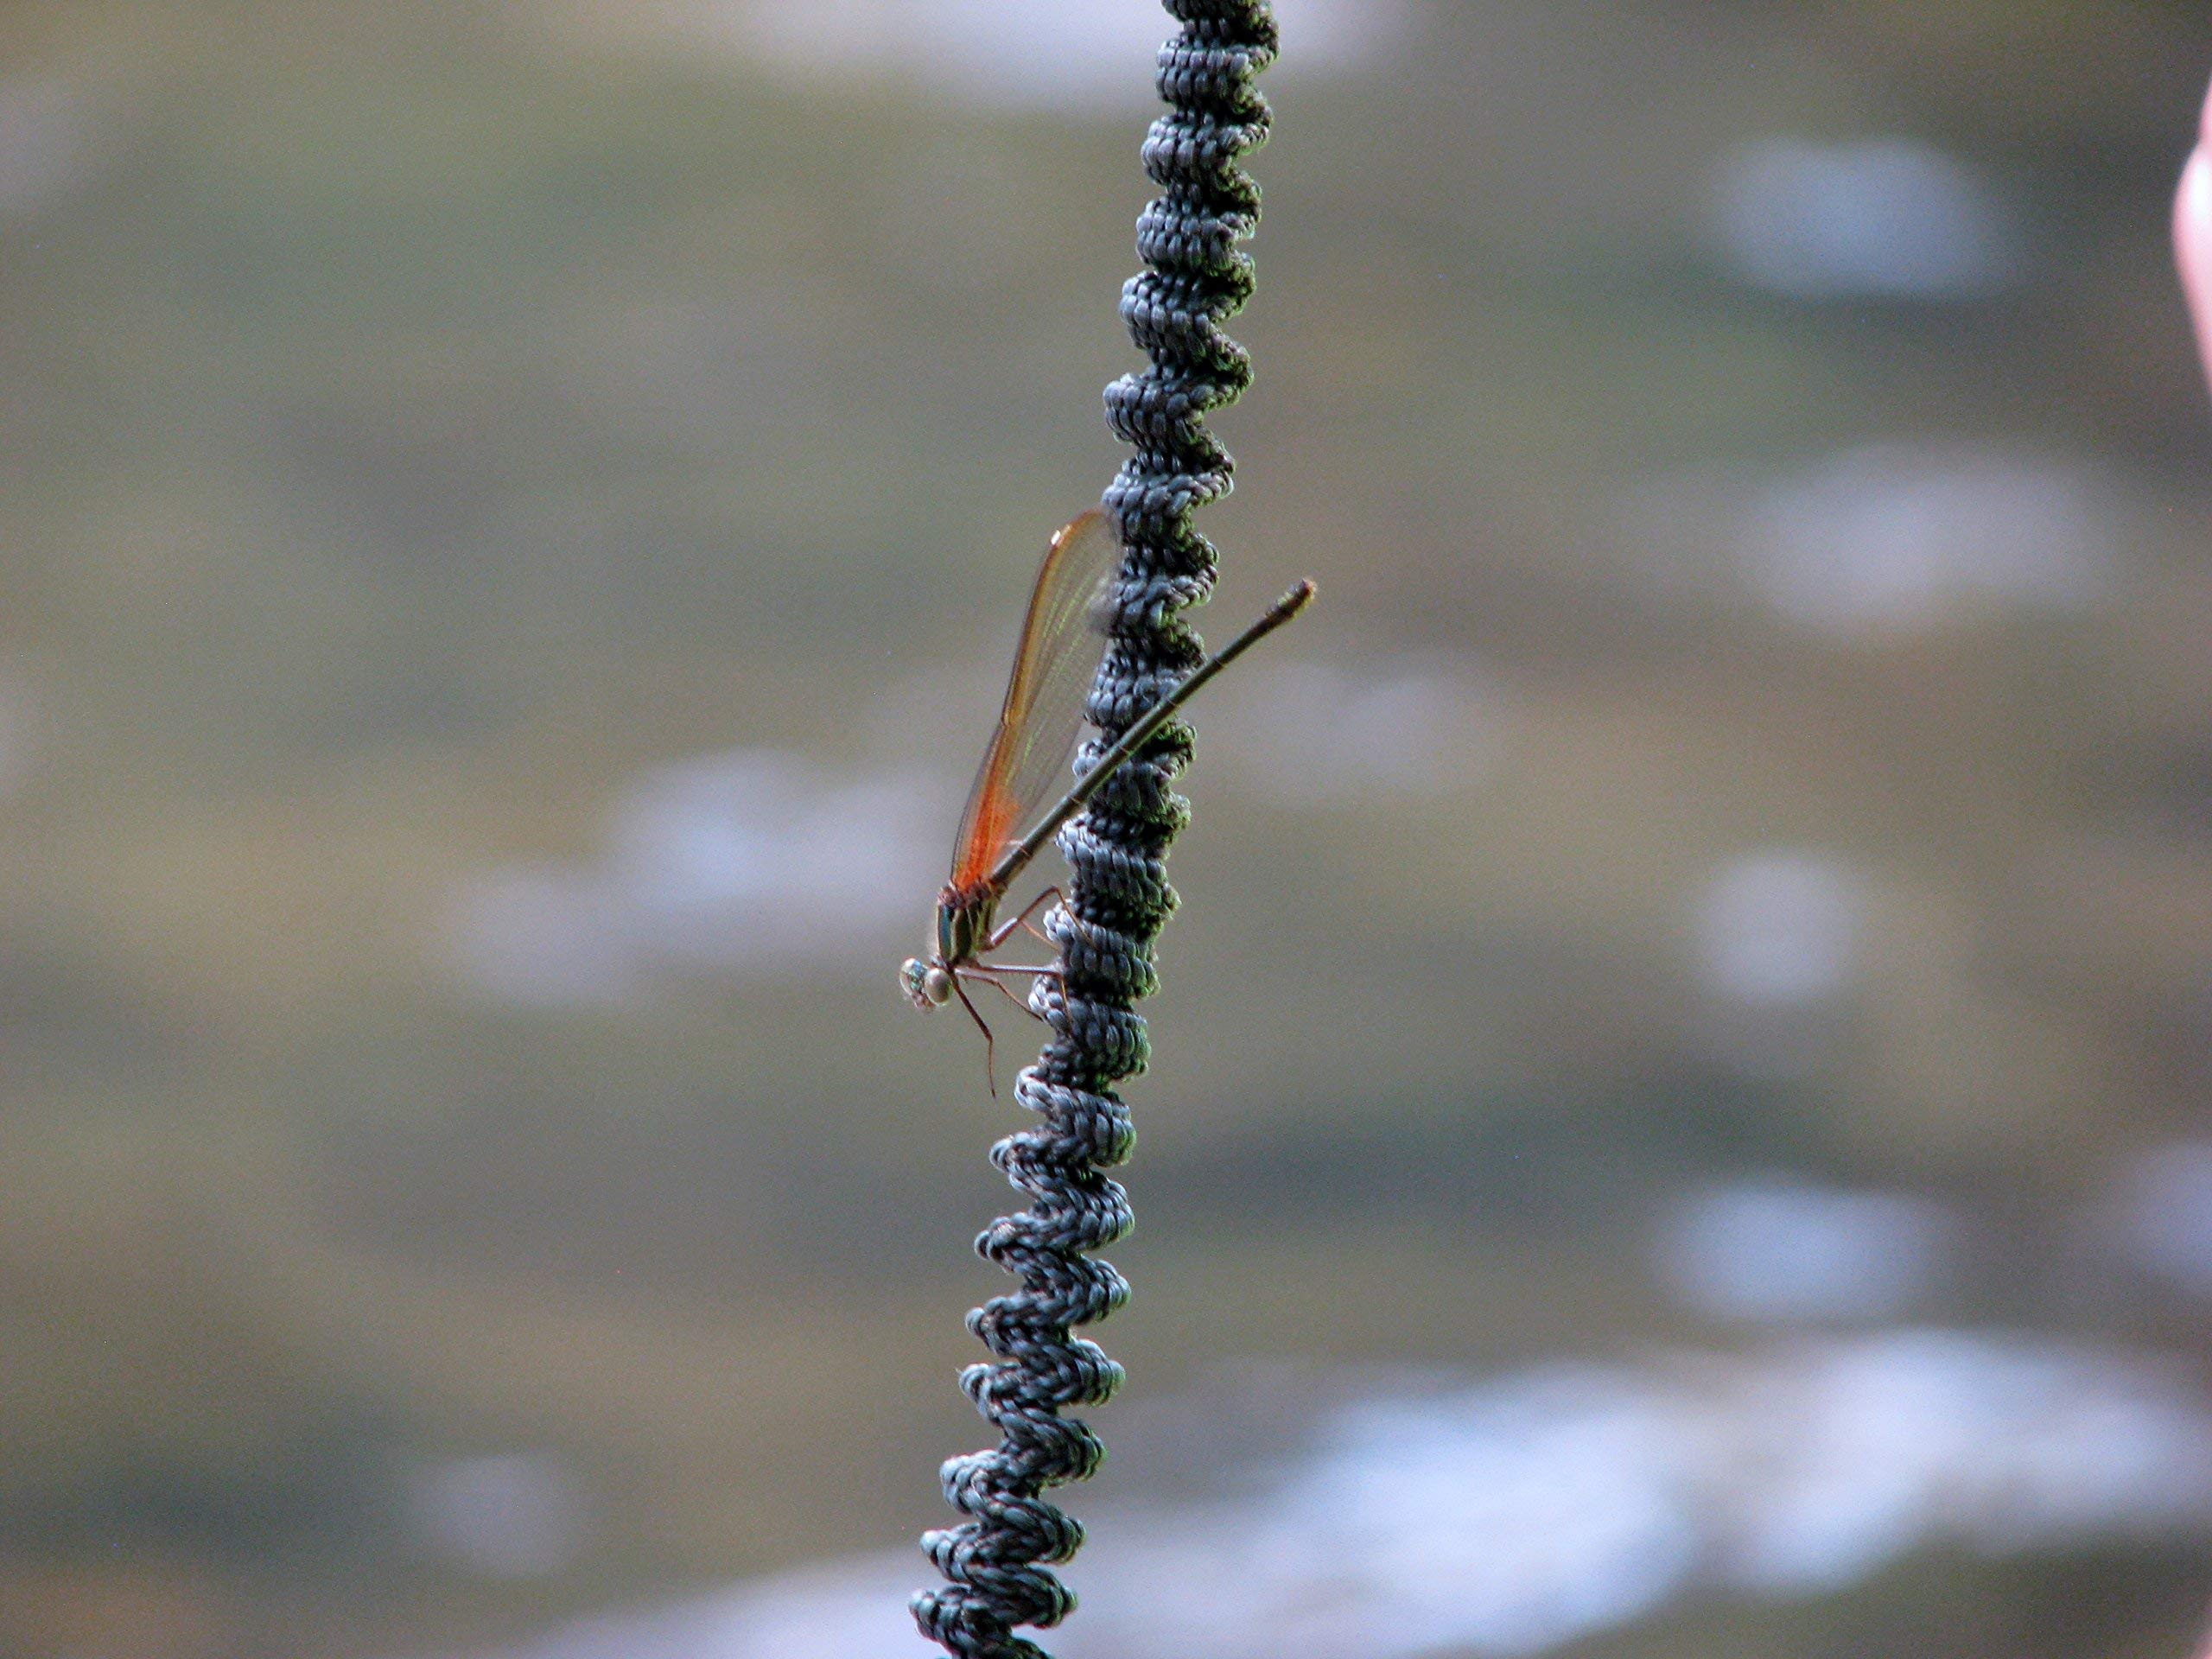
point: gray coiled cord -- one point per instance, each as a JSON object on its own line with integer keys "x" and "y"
{"x": 996, "y": 1564}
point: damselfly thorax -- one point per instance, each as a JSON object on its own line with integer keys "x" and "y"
{"x": 1062, "y": 643}
{"x": 964, "y": 933}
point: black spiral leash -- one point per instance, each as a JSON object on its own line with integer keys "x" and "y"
{"x": 997, "y": 1562}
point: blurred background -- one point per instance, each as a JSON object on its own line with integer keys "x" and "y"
{"x": 1679, "y": 1124}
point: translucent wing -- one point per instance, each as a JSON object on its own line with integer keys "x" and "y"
{"x": 1025, "y": 768}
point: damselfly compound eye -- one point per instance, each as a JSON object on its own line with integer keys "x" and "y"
{"x": 926, "y": 985}
{"x": 912, "y": 974}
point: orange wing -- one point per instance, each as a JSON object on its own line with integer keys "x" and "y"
{"x": 1025, "y": 768}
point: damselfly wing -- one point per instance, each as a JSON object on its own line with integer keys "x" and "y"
{"x": 1025, "y": 767}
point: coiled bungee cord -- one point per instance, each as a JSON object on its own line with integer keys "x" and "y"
{"x": 997, "y": 1563}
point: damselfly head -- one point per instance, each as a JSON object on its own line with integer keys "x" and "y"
{"x": 926, "y": 985}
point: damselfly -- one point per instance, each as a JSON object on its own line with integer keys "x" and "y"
{"x": 1053, "y": 667}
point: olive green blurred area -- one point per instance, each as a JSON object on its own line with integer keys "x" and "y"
{"x": 420, "y": 423}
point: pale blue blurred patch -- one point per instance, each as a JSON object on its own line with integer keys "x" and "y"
{"x": 1786, "y": 1251}
{"x": 1886, "y": 218}
{"x": 752, "y": 864}
{"x": 511, "y": 1514}
{"x": 1080, "y": 57}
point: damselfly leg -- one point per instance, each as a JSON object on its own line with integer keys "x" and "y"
{"x": 987, "y": 973}
{"x": 1005, "y": 931}
{"x": 990, "y": 1068}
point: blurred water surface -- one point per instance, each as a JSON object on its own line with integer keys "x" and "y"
{"x": 1680, "y": 1082}
{"x": 1533, "y": 1511}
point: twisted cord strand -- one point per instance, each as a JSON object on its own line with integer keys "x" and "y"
{"x": 997, "y": 1563}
